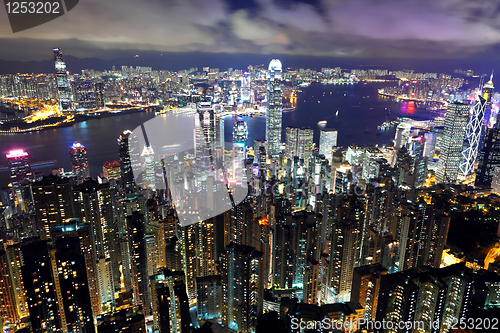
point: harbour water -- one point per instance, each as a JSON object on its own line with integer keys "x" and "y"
{"x": 360, "y": 111}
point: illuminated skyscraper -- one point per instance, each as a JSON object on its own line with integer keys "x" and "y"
{"x": 299, "y": 142}
{"x": 245, "y": 88}
{"x": 327, "y": 140}
{"x": 53, "y": 203}
{"x": 19, "y": 165}
{"x": 274, "y": 108}
{"x": 240, "y": 135}
{"x": 70, "y": 271}
{"x": 474, "y": 132}
{"x": 128, "y": 157}
{"x": 40, "y": 287}
{"x": 85, "y": 95}
{"x": 241, "y": 287}
{"x": 63, "y": 87}
{"x": 489, "y": 157}
{"x": 8, "y": 313}
{"x": 79, "y": 161}
{"x": 148, "y": 167}
{"x": 452, "y": 142}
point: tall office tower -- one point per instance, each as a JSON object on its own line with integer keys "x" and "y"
{"x": 311, "y": 282}
{"x": 274, "y": 108}
{"x": 92, "y": 203}
{"x": 63, "y": 88}
{"x": 20, "y": 300}
{"x": 294, "y": 245}
{"x": 198, "y": 253}
{"x": 208, "y": 297}
{"x": 128, "y": 157}
{"x": 170, "y": 302}
{"x": 111, "y": 170}
{"x": 343, "y": 256}
{"x": 327, "y": 140}
{"x": 371, "y": 163}
{"x": 418, "y": 160}
{"x": 73, "y": 228}
{"x": 79, "y": 161}
{"x": 138, "y": 261}
{"x": 99, "y": 94}
{"x": 397, "y": 298}
{"x": 148, "y": 168}
{"x": 489, "y": 157}
{"x": 365, "y": 288}
{"x": 8, "y": 313}
{"x": 452, "y": 142}
{"x": 474, "y": 132}
{"x": 40, "y": 287}
{"x": 240, "y": 135}
{"x": 487, "y": 95}
{"x": 429, "y": 144}
{"x": 53, "y": 203}
{"x": 245, "y": 87}
{"x": 241, "y": 287}
{"x": 299, "y": 143}
{"x": 85, "y": 95}
{"x": 70, "y": 270}
{"x": 19, "y": 165}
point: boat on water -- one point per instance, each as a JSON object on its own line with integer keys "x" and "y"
{"x": 337, "y": 113}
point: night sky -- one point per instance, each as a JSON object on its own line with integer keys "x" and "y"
{"x": 337, "y": 28}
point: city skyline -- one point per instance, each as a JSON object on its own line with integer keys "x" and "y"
{"x": 194, "y": 223}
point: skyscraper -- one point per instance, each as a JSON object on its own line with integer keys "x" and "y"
{"x": 128, "y": 156}
{"x": 79, "y": 161}
{"x": 474, "y": 132}
{"x": 40, "y": 287}
{"x": 452, "y": 142}
{"x": 327, "y": 140}
{"x": 85, "y": 95}
{"x": 299, "y": 142}
{"x": 274, "y": 108}
{"x": 489, "y": 157}
{"x": 63, "y": 87}
{"x": 245, "y": 88}
{"x": 19, "y": 165}
{"x": 241, "y": 287}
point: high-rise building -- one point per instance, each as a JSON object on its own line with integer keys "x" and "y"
{"x": 128, "y": 157}
{"x": 365, "y": 288}
{"x": 299, "y": 142}
{"x": 170, "y": 303}
{"x": 79, "y": 161}
{"x": 63, "y": 88}
{"x": 45, "y": 315}
{"x": 208, "y": 297}
{"x": 85, "y": 95}
{"x": 70, "y": 271}
{"x": 474, "y": 132}
{"x": 327, "y": 140}
{"x": 241, "y": 287}
{"x": 274, "y": 108}
{"x": 452, "y": 142}
{"x": 111, "y": 170}
{"x": 19, "y": 165}
{"x": 8, "y": 313}
{"x": 489, "y": 157}
{"x": 53, "y": 203}
{"x": 245, "y": 87}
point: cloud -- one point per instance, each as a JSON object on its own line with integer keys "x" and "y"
{"x": 353, "y": 28}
